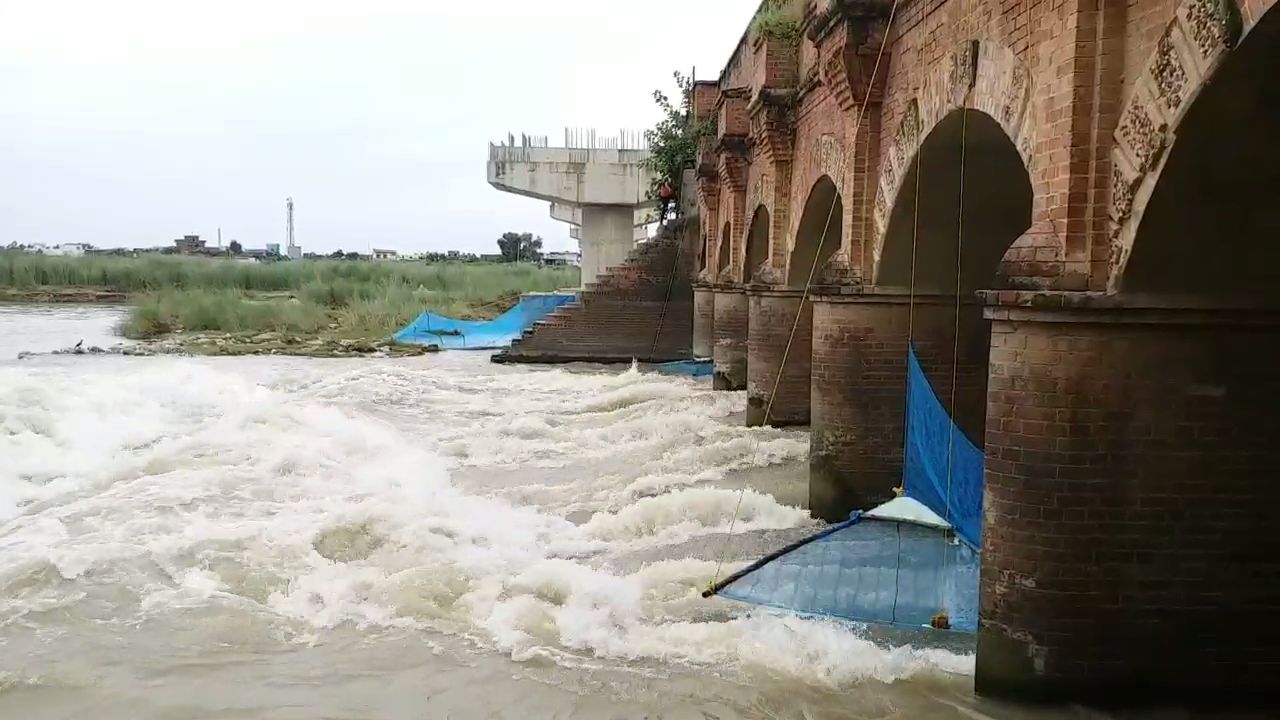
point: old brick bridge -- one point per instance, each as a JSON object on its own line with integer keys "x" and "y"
{"x": 1070, "y": 208}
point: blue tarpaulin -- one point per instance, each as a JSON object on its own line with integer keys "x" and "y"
{"x": 943, "y": 470}
{"x": 878, "y": 570}
{"x": 432, "y": 329}
{"x": 899, "y": 564}
{"x": 692, "y": 368}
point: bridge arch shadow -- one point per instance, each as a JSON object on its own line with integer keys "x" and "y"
{"x": 723, "y": 254}
{"x": 1211, "y": 225}
{"x": 757, "y": 243}
{"x": 965, "y": 198}
{"x": 818, "y": 235}
{"x": 948, "y": 232}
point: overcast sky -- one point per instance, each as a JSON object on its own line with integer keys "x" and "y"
{"x": 131, "y": 122}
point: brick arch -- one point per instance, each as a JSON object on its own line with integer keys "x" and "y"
{"x": 724, "y": 253}
{"x": 980, "y": 75}
{"x": 818, "y": 235}
{"x": 733, "y": 215}
{"x": 821, "y": 153}
{"x": 756, "y": 249}
{"x": 1193, "y": 46}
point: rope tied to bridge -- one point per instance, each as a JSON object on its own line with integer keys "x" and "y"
{"x": 804, "y": 296}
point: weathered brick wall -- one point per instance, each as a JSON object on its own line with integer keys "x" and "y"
{"x": 1023, "y": 79}
{"x": 1129, "y": 548}
{"x": 769, "y": 334}
{"x": 819, "y": 151}
{"x": 704, "y": 318}
{"x": 642, "y": 309}
{"x": 1056, "y": 75}
{"x": 858, "y": 391}
{"x": 729, "y": 355}
{"x": 1177, "y": 84}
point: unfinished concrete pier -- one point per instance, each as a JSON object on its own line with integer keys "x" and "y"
{"x": 598, "y": 184}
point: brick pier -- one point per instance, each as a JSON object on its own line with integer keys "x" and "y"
{"x": 773, "y": 314}
{"x": 859, "y": 388}
{"x": 1130, "y": 551}
{"x": 704, "y": 317}
{"x": 730, "y": 351}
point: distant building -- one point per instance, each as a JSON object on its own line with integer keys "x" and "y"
{"x": 188, "y": 245}
{"x": 273, "y": 248}
{"x": 65, "y": 249}
{"x": 384, "y": 254}
{"x": 562, "y": 258}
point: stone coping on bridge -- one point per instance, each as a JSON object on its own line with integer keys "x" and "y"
{"x": 1101, "y": 307}
{"x": 1003, "y": 304}
{"x": 725, "y": 287}
{"x": 776, "y": 290}
{"x": 885, "y": 295}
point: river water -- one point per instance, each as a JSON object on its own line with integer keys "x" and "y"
{"x": 435, "y": 537}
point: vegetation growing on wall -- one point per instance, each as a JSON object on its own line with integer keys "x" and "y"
{"x": 777, "y": 20}
{"x": 673, "y": 142}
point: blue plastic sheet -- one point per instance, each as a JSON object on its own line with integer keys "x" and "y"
{"x": 432, "y": 329}
{"x": 870, "y": 570}
{"x": 943, "y": 470}
{"x": 692, "y": 368}
{"x": 907, "y": 563}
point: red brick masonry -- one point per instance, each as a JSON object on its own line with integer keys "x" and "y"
{"x": 730, "y": 351}
{"x": 704, "y": 316}
{"x": 772, "y": 320}
{"x": 641, "y": 310}
{"x": 1130, "y": 549}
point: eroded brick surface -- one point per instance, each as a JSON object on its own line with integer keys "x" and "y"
{"x": 730, "y": 351}
{"x": 778, "y": 343}
{"x": 1128, "y": 543}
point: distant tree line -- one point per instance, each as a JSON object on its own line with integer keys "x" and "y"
{"x": 520, "y": 247}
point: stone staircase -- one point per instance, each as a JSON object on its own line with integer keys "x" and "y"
{"x": 641, "y": 310}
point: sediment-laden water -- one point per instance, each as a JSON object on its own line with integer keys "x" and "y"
{"x": 437, "y": 537}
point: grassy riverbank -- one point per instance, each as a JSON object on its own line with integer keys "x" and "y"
{"x": 347, "y": 299}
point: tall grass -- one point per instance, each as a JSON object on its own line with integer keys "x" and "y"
{"x": 361, "y": 298}
{"x": 342, "y": 278}
{"x": 220, "y": 310}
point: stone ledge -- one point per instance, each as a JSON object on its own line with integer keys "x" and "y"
{"x": 837, "y": 294}
{"x": 1101, "y": 307}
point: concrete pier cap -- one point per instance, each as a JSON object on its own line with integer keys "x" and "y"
{"x": 598, "y": 184}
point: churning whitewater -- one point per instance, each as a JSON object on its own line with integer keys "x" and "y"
{"x": 264, "y": 517}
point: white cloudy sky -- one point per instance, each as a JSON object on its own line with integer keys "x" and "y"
{"x": 130, "y": 122}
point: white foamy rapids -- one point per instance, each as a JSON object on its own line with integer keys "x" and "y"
{"x": 189, "y": 486}
{"x": 639, "y": 433}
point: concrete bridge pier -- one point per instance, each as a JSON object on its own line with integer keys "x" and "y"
{"x": 773, "y": 314}
{"x": 729, "y": 354}
{"x": 1130, "y": 551}
{"x": 704, "y": 303}
{"x": 859, "y": 379}
{"x": 598, "y": 184}
{"x": 600, "y": 233}
{"x": 607, "y": 237}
